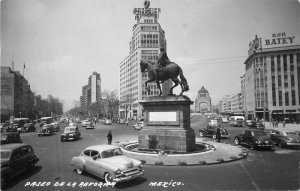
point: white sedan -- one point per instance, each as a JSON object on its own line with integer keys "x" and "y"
{"x": 108, "y": 163}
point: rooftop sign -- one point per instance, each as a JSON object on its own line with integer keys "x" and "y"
{"x": 278, "y": 39}
{"x": 146, "y": 11}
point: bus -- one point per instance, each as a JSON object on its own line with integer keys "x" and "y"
{"x": 237, "y": 121}
{"x": 46, "y": 120}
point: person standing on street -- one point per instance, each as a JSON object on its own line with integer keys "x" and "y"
{"x": 218, "y": 133}
{"x": 109, "y": 137}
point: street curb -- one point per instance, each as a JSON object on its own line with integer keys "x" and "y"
{"x": 211, "y": 157}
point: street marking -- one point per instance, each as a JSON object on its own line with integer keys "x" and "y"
{"x": 249, "y": 176}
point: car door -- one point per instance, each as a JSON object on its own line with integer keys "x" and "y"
{"x": 16, "y": 163}
{"x": 89, "y": 162}
{"x": 274, "y": 136}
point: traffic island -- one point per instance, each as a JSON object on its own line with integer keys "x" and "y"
{"x": 215, "y": 153}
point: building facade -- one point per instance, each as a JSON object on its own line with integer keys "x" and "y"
{"x": 17, "y": 99}
{"x": 91, "y": 93}
{"x": 203, "y": 101}
{"x": 271, "y": 81}
{"x": 147, "y": 38}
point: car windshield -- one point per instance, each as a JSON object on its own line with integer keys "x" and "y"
{"x": 291, "y": 133}
{"x": 111, "y": 153}
{"x": 5, "y": 154}
{"x": 72, "y": 129}
{"x": 259, "y": 133}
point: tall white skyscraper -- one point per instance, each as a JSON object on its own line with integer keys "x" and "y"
{"x": 147, "y": 38}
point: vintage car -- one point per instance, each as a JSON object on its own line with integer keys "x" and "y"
{"x": 70, "y": 133}
{"x": 90, "y": 126}
{"x": 213, "y": 122}
{"x": 47, "y": 129}
{"x": 285, "y": 138}
{"x": 16, "y": 159}
{"x": 255, "y": 139}
{"x": 85, "y": 123}
{"x": 56, "y": 126}
{"x": 27, "y": 127}
{"x": 107, "y": 122}
{"x": 5, "y": 125}
{"x": 225, "y": 120}
{"x": 108, "y": 163}
{"x": 211, "y": 131}
{"x": 138, "y": 126}
{"x": 11, "y": 137}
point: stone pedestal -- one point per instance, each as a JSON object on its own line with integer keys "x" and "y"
{"x": 167, "y": 124}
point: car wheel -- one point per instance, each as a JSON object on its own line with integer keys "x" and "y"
{"x": 79, "y": 171}
{"x": 280, "y": 144}
{"x": 214, "y": 136}
{"x": 236, "y": 141}
{"x": 201, "y": 134}
{"x": 108, "y": 178}
{"x": 31, "y": 166}
{"x": 252, "y": 146}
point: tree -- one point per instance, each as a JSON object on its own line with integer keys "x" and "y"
{"x": 111, "y": 98}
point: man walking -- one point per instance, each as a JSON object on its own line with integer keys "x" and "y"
{"x": 109, "y": 137}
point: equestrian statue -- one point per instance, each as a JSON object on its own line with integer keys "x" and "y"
{"x": 163, "y": 70}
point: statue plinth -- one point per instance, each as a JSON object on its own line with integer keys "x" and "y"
{"x": 167, "y": 124}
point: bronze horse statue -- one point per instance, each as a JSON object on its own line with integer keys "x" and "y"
{"x": 171, "y": 71}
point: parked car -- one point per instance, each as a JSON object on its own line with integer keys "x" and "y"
{"x": 10, "y": 138}
{"x": 47, "y": 129}
{"x": 16, "y": 159}
{"x": 108, "y": 163}
{"x": 250, "y": 123}
{"x": 122, "y": 121}
{"x": 107, "y": 122}
{"x": 255, "y": 139}
{"x": 211, "y": 131}
{"x": 70, "y": 133}
{"x": 138, "y": 125}
{"x": 27, "y": 127}
{"x": 56, "y": 126}
{"x": 285, "y": 138}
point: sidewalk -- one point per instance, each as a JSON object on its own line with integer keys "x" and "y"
{"x": 288, "y": 126}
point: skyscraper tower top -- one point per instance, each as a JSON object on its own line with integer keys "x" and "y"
{"x": 146, "y": 11}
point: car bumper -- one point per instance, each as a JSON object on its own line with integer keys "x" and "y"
{"x": 265, "y": 146}
{"x": 126, "y": 178}
{"x": 225, "y": 136}
{"x": 292, "y": 144}
{"x": 68, "y": 138}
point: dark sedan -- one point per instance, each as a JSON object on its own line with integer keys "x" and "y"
{"x": 285, "y": 138}
{"x": 10, "y": 138}
{"x": 47, "y": 129}
{"x": 255, "y": 139}
{"x": 211, "y": 131}
{"x": 16, "y": 159}
{"x": 70, "y": 133}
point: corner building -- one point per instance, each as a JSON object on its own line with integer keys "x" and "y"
{"x": 271, "y": 84}
{"x": 147, "y": 38}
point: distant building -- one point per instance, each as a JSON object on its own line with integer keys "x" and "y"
{"x": 203, "y": 101}
{"x": 147, "y": 38}
{"x": 17, "y": 99}
{"x": 91, "y": 93}
{"x": 271, "y": 83}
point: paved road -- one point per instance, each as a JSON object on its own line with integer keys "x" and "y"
{"x": 261, "y": 170}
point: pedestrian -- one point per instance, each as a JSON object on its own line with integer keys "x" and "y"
{"x": 276, "y": 123}
{"x": 218, "y": 133}
{"x": 283, "y": 123}
{"x": 109, "y": 137}
{"x": 127, "y": 122}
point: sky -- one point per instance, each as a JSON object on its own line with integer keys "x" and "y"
{"x": 62, "y": 42}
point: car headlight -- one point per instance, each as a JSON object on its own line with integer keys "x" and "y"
{"x": 118, "y": 171}
{"x": 140, "y": 166}
{"x": 257, "y": 142}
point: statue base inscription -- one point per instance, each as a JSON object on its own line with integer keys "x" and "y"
{"x": 167, "y": 124}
